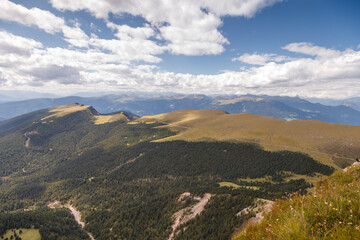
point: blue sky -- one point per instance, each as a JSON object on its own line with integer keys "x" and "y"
{"x": 327, "y": 23}
{"x": 308, "y": 48}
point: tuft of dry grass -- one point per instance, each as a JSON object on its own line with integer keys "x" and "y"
{"x": 332, "y": 211}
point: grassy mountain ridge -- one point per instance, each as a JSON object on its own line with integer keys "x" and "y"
{"x": 38, "y": 136}
{"x": 127, "y": 184}
{"x": 333, "y": 144}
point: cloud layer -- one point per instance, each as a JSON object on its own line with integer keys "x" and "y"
{"x": 26, "y": 62}
{"x": 127, "y": 61}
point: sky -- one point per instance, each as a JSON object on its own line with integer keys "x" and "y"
{"x": 306, "y": 48}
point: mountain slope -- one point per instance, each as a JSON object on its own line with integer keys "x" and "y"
{"x": 353, "y": 102}
{"x": 344, "y": 112}
{"x": 331, "y": 212}
{"x": 126, "y": 184}
{"x": 49, "y": 130}
{"x": 333, "y": 144}
{"x": 288, "y": 108}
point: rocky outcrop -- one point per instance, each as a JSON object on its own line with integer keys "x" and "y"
{"x": 186, "y": 214}
{"x": 355, "y": 164}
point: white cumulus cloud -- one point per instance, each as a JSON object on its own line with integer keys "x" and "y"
{"x": 311, "y": 49}
{"x": 260, "y": 59}
{"x": 130, "y": 50}
{"x": 26, "y": 63}
{"x": 75, "y": 36}
{"x": 247, "y": 8}
{"x": 42, "y": 19}
{"x": 127, "y": 33}
{"x": 189, "y": 27}
{"x": 12, "y": 44}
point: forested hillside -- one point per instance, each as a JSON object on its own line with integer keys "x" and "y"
{"x": 53, "y": 224}
{"x": 126, "y": 185}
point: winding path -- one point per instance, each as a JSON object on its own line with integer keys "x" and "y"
{"x": 77, "y": 216}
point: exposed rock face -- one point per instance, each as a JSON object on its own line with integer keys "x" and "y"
{"x": 262, "y": 206}
{"x": 355, "y": 164}
{"x": 188, "y": 213}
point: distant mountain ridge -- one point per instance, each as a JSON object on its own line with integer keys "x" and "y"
{"x": 353, "y": 102}
{"x": 287, "y": 108}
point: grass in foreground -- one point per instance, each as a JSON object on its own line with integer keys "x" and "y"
{"x": 331, "y": 212}
{"x": 26, "y": 234}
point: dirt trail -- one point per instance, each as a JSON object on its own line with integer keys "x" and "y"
{"x": 27, "y": 135}
{"x": 74, "y": 212}
{"x": 127, "y": 162}
{"x": 77, "y": 216}
{"x": 188, "y": 213}
{"x": 131, "y": 160}
{"x": 27, "y": 143}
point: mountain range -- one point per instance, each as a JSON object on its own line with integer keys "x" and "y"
{"x": 187, "y": 174}
{"x": 287, "y": 108}
{"x": 353, "y": 102}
